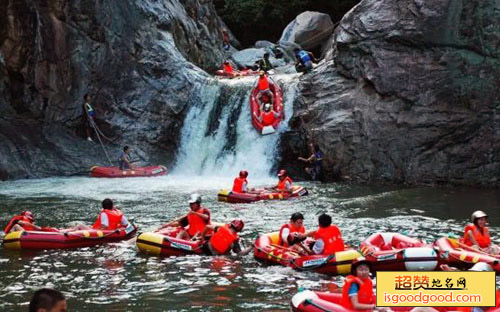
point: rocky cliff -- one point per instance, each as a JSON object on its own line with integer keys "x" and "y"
{"x": 409, "y": 93}
{"x": 140, "y": 61}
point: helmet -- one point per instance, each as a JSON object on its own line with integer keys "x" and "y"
{"x": 237, "y": 224}
{"x": 262, "y": 73}
{"x": 357, "y": 262}
{"x": 28, "y": 214}
{"x": 267, "y": 106}
{"x": 243, "y": 173}
{"x": 481, "y": 267}
{"x": 195, "y": 198}
{"x": 282, "y": 173}
{"x": 478, "y": 214}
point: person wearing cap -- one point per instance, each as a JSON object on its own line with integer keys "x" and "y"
{"x": 265, "y": 63}
{"x": 240, "y": 184}
{"x": 477, "y": 235}
{"x": 357, "y": 293}
{"x": 227, "y": 67}
{"x": 263, "y": 88}
{"x": 268, "y": 116}
{"x": 195, "y": 221}
{"x": 225, "y": 239}
{"x": 284, "y": 182}
{"x": 23, "y": 222}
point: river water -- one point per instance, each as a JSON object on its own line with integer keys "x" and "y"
{"x": 116, "y": 277}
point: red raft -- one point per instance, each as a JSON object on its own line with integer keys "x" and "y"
{"x": 459, "y": 255}
{"x": 250, "y": 197}
{"x": 277, "y": 106}
{"x": 396, "y": 252}
{"x": 115, "y": 172}
{"x": 65, "y": 240}
{"x": 267, "y": 250}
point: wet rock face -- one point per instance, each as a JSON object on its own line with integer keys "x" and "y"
{"x": 136, "y": 60}
{"x": 409, "y": 94}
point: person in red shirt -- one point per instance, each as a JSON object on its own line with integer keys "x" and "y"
{"x": 240, "y": 184}
{"x": 225, "y": 239}
{"x": 227, "y": 67}
{"x": 328, "y": 237}
{"x": 195, "y": 221}
{"x": 264, "y": 89}
{"x": 268, "y": 116}
{"x": 23, "y": 222}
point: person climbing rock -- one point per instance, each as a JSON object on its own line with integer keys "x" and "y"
{"x": 226, "y": 44}
{"x": 304, "y": 61}
{"x": 316, "y": 161}
{"x": 268, "y": 116}
{"x": 125, "y": 162}
{"x": 264, "y": 90}
{"x": 265, "y": 63}
{"x": 88, "y": 116}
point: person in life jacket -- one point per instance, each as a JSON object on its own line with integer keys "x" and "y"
{"x": 316, "y": 160}
{"x": 226, "y": 44}
{"x": 227, "y": 67}
{"x": 268, "y": 116}
{"x": 124, "y": 160}
{"x": 477, "y": 234}
{"x": 23, "y": 222}
{"x": 357, "y": 293}
{"x": 240, "y": 184}
{"x": 110, "y": 217}
{"x": 304, "y": 61}
{"x": 284, "y": 182}
{"x": 264, "y": 89}
{"x": 328, "y": 239}
{"x": 290, "y": 232}
{"x": 225, "y": 239}
{"x": 265, "y": 64}
{"x": 195, "y": 221}
{"x": 88, "y": 116}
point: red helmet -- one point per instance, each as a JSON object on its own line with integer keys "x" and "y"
{"x": 28, "y": 214}
{"x": 243, "y": 174}
{"x": 237, "y": 225}
{"x": 282, "y": 173}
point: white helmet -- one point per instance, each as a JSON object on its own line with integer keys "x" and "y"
{"x": 195, "y": 198}
{"x": 478, "y": 214}
{"x": 267, "y": 106}
{"x": 481, "y": 267}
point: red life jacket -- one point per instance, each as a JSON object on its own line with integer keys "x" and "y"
{"x": 238, "y": 184}
{"x": 15, "y": 220}
{"x": 282, "y": 183}
{"x": 263, "y": 83}
{"x": 268, "y": 118}
{"x": 114, "y": 219}
{"x": 223, "y": 239}
{"x": 365, "y": 292}
{"x": 292, "y": 229}
{"x": 331, "y": 237}
{"x": 482, "y": 237}
{"x": 227, "y": 68}
{"x": 196, "y": 223}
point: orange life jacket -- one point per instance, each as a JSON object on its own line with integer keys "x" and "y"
{"x": 114, "y": 219}
{"x": 223, "y": 239}
{"x": 263, "y": 83}
{"x": 227, "y": 68}
{"x": 196, "y": 223}
{"x": 268, "y": 118}
{"x": 238, "y": 184}
{"x": 282, "y": 183}
{"x": 365, "y": 292}
{"x": 292, "y": 229}
{"x": 14, "y": 221}
{"x": 331, "y": 237}
{"x": 482, "y": 237}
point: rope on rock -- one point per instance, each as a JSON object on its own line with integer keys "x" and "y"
{"x": 97, "y": 131}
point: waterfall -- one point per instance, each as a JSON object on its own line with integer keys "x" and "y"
{"x": 218, "y": 138}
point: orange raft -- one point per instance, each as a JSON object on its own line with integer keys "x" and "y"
{"x": 454, "y": 253}
{"x": 277, "y": 107}
{"x": 115, "y": 172}
{"x": 64, "y": 240}
{"x": 267, "y": 250}
{"x": 262, "y": 194}
{"x": 397, "y": 252}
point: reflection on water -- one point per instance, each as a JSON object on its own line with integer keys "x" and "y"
{"x": 117, "y": 278}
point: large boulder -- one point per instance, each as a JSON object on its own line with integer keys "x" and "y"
{"x": 308, "y": 29}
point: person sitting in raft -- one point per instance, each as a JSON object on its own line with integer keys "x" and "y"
{"x": 224, "y": 239}
{"x": 125, "y": 162}
{"x": 110, "y": 218}
{"x": 477, "y": 235}
{"x": 328, "y": 237}
{"x": 304, "y": 60}
{"x": 284, "y": 182}
{"x": 263, "y": 88}
{"x": 23, "y": 222}
{"x": 240, "y": 184}
{"x": 196, "y": 220}
{"x": 227, "y": 67}
{"x": 289, "y": 232}
{"x": 268, "y": 116}
{"x": 316, "y": 160}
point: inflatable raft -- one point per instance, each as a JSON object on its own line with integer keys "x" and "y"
{"x": 277, "y": 106}
{"x": 454, "y": 253}
{"x": 236, "y": 73}
{"x": 115, "y": 172}
{"x": 267, "y": 250}
{"x": 64, "y": 240}
{"x": 396, "y": 252}
{"x": 235, "y": 197}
